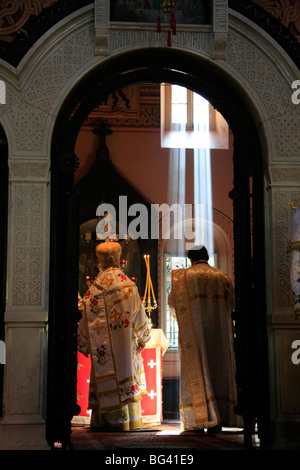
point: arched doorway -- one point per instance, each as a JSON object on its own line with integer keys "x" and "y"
{"x": 170, "y": 66}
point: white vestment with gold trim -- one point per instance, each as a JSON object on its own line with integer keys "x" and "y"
{"x": 202, "y": 299}
{"x": 113, "y": 322}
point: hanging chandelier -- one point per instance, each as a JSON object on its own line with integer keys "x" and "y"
{"x": 168, "y": 6}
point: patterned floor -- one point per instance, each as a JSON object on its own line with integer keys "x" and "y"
{"x": 166, "y": 436}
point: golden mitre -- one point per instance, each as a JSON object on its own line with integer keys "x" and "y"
{"x": 109, "y": 253}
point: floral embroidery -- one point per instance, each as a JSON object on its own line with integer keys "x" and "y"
{"x": 123, "y": 277}
{"x": 117, "y": 319}
{"x": 101, "y": 354}
{"x": 94, "y": 305}
{"x": 130, "y": 390}
{"x": 81, "y": 342}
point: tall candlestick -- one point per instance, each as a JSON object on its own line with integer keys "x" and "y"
{"x": 148, "y": 289}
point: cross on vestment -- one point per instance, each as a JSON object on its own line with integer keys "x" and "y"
{"x": 151, "y": 364}
{"x": 152, "y": 394}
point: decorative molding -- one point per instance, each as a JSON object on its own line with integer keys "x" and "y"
{"x": 279, "y": 19}
{"x": 101, "y": 23}
{"x": 149, "y": 118}
{"x": 220, "y": 28}
{"x": 135, "y": 107}
{"x": 128, "y": 37}
{"x": 26, "y": 279}
{"x": 29, "y": 111}
{"x": 28, "y": 170}
{"x": 211, "y": 41}
{"x": 272, "y": 23}
{"x": 265, "y": 85}
{"x": 283, "y": 175}
{"x": 281, "y": 228}
{"x": 28, "y": 117}
{"x": 29, "y": 127}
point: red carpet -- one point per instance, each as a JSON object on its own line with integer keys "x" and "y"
{"x": 164, "y": 437}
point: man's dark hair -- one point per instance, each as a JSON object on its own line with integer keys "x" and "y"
{"x": 198, "y": 253}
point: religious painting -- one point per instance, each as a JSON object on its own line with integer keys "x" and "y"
{"x": 147, "y": 11}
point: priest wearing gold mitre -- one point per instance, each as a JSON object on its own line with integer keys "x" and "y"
{"x": 202, "y": 299}
{"x": 113, "y": 330}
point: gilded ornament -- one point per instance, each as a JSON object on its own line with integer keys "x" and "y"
{"x": 106, "y": 281}
{"x": 115, "y": 315}
{"x": 96, "y": 326}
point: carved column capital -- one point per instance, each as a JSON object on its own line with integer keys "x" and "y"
{"x": 22, "y": 169}
{"x": 101, "y": 25}
{"x": 220, "y": 28}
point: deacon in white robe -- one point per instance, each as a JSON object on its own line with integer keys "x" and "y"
{"x": 113, "y": 330}
{"x": 202, "y": 299}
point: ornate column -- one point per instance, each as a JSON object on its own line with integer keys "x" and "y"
{"x": 27, "y": 302}
{"x": 284, "y": 325}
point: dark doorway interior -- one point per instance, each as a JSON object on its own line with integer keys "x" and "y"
{"x": 170, "y": 66}
{"x": 3, "y": 242}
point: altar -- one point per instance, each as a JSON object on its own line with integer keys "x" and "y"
{"x": 151, "y": 402}
{"x": 152, "y": 361}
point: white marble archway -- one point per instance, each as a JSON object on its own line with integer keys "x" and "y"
{"x": 35, "y": 93}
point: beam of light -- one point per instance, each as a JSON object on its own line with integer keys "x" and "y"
{"x": 202, "y": 180}
{"x": 169, "y": 433}
{"x": 177, "y": 186}
{"x": 176, "y": 195}
{"x": 177, "y": 173}
{"x": 202, "y": 232}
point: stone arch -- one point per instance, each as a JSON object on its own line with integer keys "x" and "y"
{"x": 250, "y": 97}
{"x": 44, "y": 89}
{"x": 111, "y": 74}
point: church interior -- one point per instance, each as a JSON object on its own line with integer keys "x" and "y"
{"x": 151, "y": 170}
{"x": 100, "y": 104}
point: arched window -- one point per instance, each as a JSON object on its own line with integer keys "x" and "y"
{"x": 188, "y": 120}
